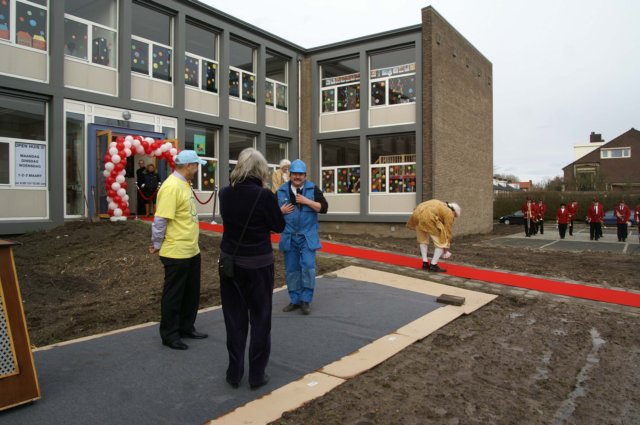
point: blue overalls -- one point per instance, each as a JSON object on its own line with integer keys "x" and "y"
{"x": 299, "y": 242}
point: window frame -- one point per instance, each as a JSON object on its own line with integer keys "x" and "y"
{"x": 12, "y": 165}
{"x": 149, "y": 74}
{"x": 90, "y": 25}
{"x": 336, "y": 87}
{"x": 242, "y": 73}
{"x": 200, "y": 61}
{"x": 609, "y": 151}
{"x": 13, "y": 27}
{"x": 386, "y": 86}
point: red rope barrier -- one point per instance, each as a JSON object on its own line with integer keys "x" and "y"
{"x": 153, "y": 195}
{"x": 198, "y": 199}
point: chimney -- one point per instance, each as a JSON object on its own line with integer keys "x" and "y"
{"x": 595, "y": 138}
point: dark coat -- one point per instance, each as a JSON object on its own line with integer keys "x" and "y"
{"x": 235, "y": 205}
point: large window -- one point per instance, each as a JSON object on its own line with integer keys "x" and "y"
{"x": 393, "y": 163}
{"x": 90, "y": 31}
{"x": 238, "y": 141}
{"x": 23, "y": 148}
{"x": 151, "y": 43}
{"x": 201, "y": 65}
{"x": 277, "y": 150}
{"x": 615, "y": 153}
{"x": 276, "y": 87}
{"x": 242, "y": 76}
{"x": 74, "y": 164}
{"x": 340, "y": 88}
{"x": 24, "y": 22}
{"x": 202, "y": 139}
{"x": 340, "y": 166}
{"x": 393, "y": 77}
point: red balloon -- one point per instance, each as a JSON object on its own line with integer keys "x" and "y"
{"x": 114, "y": 173}
{"x": 124, "y": 185}
{"x": 110, "y": 180}
{"x": 119, "y": 166}
{"x": 111, "y": 193}
{"x": 117, "y": 199}
{"x": 110, "y": 213}
{"x": 147, "y": 149}
{"x": 133, "y": 150}
{"x": 119, "y": 139}
{"x": 122, "y": 205}
{"x": 107, "y": 158}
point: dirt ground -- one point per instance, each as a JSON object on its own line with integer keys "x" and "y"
{"x": 526, "y": 358}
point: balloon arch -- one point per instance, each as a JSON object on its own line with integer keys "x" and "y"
{"x": 114, "y": 172}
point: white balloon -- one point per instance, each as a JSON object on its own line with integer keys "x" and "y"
{"x": 113, "y": 151}
{"x": 123, "y": 218}
{"x": 127, "y": 143}
{"x": 129, "y": 139}
{"x": 122, "y": 192}
{"x": 122, "y": 172}
{"x": 115, "y": 186}
{"x": 158, "y": 152}
{"x": 109, "y": 199}
{"x": 112, "y": 218}
{"x": 125, "y": 198}
{"x": 127, "y": 152}
{"x": 115, "y": 159}
{"x": 106, "y": 173}
{"x": 120, "y": 179}
{"x": 108, "y": 166}
{"x": 117, "y": 212}
{"x": 113, "y": 205}
{"x": 149, "y": 140}
{"x": 113, "y": 144}
{"x": 173, "y": 151}
{"x": 166, "y": 147}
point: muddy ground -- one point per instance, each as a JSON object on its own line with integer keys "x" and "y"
{"x": 526, "y": 358}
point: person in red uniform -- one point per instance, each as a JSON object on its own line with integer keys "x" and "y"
{"x": 562, "y": 218}
{"x": 637, "y": 215}
{"x": 542, "y": 210}
{"x": 595, "y": 217}
{"x": 573, "y": 212}
{"x": 529, "y": 209}
{"x": 623, "y": 214}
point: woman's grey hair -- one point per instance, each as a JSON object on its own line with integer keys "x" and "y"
{"x": 284, "y": 162}
{"x": 251, "y": 163}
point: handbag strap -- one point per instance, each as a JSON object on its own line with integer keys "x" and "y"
{"x": 247, "y": 223}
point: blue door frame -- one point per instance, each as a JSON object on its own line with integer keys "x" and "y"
{"x": 95, "y": 163}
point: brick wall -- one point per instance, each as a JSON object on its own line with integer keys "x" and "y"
{"x": 457, "y": 124}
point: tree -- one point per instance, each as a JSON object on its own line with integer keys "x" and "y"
{"x": 554, "y": 184}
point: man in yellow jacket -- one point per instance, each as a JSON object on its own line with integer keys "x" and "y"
{"x": 434, "y": 219}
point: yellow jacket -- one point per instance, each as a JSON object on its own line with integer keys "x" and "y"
{"x": 276, "y": 180}
{"x": 435, "y": 218}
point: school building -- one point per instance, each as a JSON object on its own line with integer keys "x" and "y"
{"x": 383, "y": 121}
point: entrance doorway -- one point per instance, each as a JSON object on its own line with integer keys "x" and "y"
{"x": 100, "y": 136}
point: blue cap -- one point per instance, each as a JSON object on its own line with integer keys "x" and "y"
{"x": 189, "y": 157}
{"x": 298, "y": 166}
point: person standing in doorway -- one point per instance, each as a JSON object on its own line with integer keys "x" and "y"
{"x": 573, "y": 213}
{"x": 142, "y": 168}
{"x": 281, "y": 175}
{"x": 174, "y": 234}
{"x": 562, "y": 218}
{"x": 149, "y": 188}
{"x": 595, "y": 217}
{"x": 434, "y": 220}
{"x": 623, "y": 215}
{"x": 300, "y": 239}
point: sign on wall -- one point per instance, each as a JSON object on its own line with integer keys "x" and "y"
{"x": 30, "y": 165}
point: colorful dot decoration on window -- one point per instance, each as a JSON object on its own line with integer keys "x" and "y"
{"x": 75, "y": 34}
{"x": 402, "y": 90}
{"x": 234, "y": 83}
{"x": 161, "y": 63}
{"x": 209, "y": 78}
{"x": 378, "y": 94}
{"x": 349, "y": 180}
{"x": 269, "y": 95}
{"x": 402, "y": 178}
{"x": 191, "y": 67}
{"x": 349, "y": 97}
{"x": 378, "y": 179}
{"x": 281, "y": 97}
{"x": 328, "y": 181}
{"x": 328, "y": 100}
{"x": 248, "y": 87}
{"x": 31, "y": 26}
{"x": 208, "y": 175}
{"x": 4, "y": 20}
{"x": 139, "y": 56}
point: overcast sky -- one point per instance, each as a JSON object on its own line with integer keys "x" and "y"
{"x": 561, "y": 68}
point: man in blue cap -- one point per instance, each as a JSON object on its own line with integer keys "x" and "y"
{"x": 174, "y": 235}
{"x": 302, "y": 201}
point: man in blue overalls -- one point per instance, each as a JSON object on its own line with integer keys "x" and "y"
{"x": 302, "y": 201}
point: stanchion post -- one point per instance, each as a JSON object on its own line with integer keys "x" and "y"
{"x": 215, "y": 201}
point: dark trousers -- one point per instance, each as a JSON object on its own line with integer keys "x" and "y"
{"x": 180, "y": 296}
{"x": 541, "y": 226}
{"x": 595, "y": 230}
{"x": 571, "y": 228}
{"x": 622, "y": 231}
{"x": 247, "y": 302}
{"x": 528, "y": 227}
{"x": 562, "y": 229}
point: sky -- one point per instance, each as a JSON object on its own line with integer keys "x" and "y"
{"x": 561, "y": 68}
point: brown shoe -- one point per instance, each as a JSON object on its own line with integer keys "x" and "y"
{"x": 290, "y": 307}
{"x": 305, "y": 308}
{"x": 435, "y": 268}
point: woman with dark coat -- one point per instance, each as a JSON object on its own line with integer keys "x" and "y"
{"x": 246, "y": 298}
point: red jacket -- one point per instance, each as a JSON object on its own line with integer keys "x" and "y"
{"x": 638, "y": 214}
{"x": 573, "y": 209}
{"x": 542, "y": 210}
{"x": 623, "y": 214}
{"x": 594, "y": 217}
{"x": 563, "y": 217}
{"x": 530, "y": 212}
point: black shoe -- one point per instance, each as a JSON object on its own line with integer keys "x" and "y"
{"x": 262, "y": 383}
{"x": 435, "y": 268}
{"x": 194, "y": 335}
{"x": 290, "y": 307}
{"x": 425, "y": 265}
{"x": 305, "y": 308}
{"x": 176, "y": 345}
{"x": 234, "y": 385}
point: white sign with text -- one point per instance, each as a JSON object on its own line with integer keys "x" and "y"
{"x": 30, "y": 165}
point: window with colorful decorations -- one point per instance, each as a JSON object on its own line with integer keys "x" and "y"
{"x": 340, "y": 168}
{"x": 393, "y": 163}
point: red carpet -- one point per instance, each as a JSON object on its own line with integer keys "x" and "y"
{"x": 502, "y": 278}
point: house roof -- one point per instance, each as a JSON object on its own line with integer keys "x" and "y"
{"x": 595, "y": 154}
